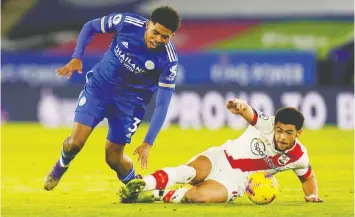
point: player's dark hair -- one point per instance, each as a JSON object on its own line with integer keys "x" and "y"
{"x": 290, "y": 115}
{"x": 167, "y": 17}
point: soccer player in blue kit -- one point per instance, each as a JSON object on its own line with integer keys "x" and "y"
{"x": 140, "y": 61}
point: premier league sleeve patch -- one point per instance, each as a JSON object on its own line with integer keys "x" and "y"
{"x": 263, "y": 116}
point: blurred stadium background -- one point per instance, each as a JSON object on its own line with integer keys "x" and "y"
{"x": 271, "y": 53}
{"x": 298, "y": 53}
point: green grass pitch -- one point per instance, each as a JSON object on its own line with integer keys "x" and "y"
{"x": 89, "y": 187}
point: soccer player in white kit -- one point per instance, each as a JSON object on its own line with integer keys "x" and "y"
{"x": 219, "y": 174}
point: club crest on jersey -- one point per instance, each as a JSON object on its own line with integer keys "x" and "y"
{"x": 283, "y": 159}
{"x": 173, "y": 73}
{"x": 127, "y": 61}
{"x": 82, "y": 101}
{"x": 149, "y": 65}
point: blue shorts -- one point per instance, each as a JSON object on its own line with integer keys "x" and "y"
{"x": 123, "y": 117}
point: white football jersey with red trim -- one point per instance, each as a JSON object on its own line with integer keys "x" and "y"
{"x": 255, "y": 150}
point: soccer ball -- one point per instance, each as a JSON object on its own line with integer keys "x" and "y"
{"x": 262, "y": 188}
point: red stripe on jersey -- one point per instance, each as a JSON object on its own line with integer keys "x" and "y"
{"x": 168, "y": 196}
{"x": 248, "y": 164}
{"x": 296, "y": 152}
{"x": 162, "y": 178}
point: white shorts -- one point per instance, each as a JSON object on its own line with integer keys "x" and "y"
{"x": 233, "y": 179}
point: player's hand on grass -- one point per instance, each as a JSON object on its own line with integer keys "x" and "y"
{"x": 70, "y": 68}
{"x": 143, "y": 153}
{"x": 313, "y": 199}
{"x": 236, "y": 106}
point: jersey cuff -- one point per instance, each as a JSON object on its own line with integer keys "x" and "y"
{"x": 255, "y": 118}
{"x": 166, "y": 85}
{"x": 103, "y": 24}
{"x": 306, "y": 175}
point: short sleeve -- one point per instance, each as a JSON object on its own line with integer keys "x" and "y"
{"x": 303, "y": 169}
{"x": 170, "y": 68}
{"x": 263, "y": 122}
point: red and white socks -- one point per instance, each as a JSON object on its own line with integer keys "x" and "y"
{"x": 167, "y": 177}
{"x": 174, "y": 196}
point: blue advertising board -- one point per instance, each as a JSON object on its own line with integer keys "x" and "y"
{"x": 272, "y": 68}
{"x": 282, "y": 68}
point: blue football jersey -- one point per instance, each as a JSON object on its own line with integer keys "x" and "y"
{"x": 130, "y": 70}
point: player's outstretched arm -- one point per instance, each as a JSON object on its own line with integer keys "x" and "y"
{"x": 310, "y": 188}
{"x": 85, "y": 36}
{"x": 242, "y": 108}
{"x": 161, "y": 109}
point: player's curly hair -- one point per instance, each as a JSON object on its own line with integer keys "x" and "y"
{"x": 290, "y": 115}
{"x": 166, "y": 16}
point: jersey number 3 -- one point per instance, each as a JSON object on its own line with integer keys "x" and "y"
{"x": 134, "y": 125}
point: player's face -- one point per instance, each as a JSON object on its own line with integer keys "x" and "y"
{"x": 285, "y": 135}
{"x": 156, "y": 35}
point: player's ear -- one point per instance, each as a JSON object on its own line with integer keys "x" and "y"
{"x": 298, "y": 133}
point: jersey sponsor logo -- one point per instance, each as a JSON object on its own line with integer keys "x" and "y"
{"x": 266, "y": 162}
{"x": 283, "y": 159}
{"x": 149, "y": 65}
{"x": 173, "y": 73}
{"x": 127, "y": 62}
{"x": 125, "y": 44}
{"x": 258, "y": 147}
